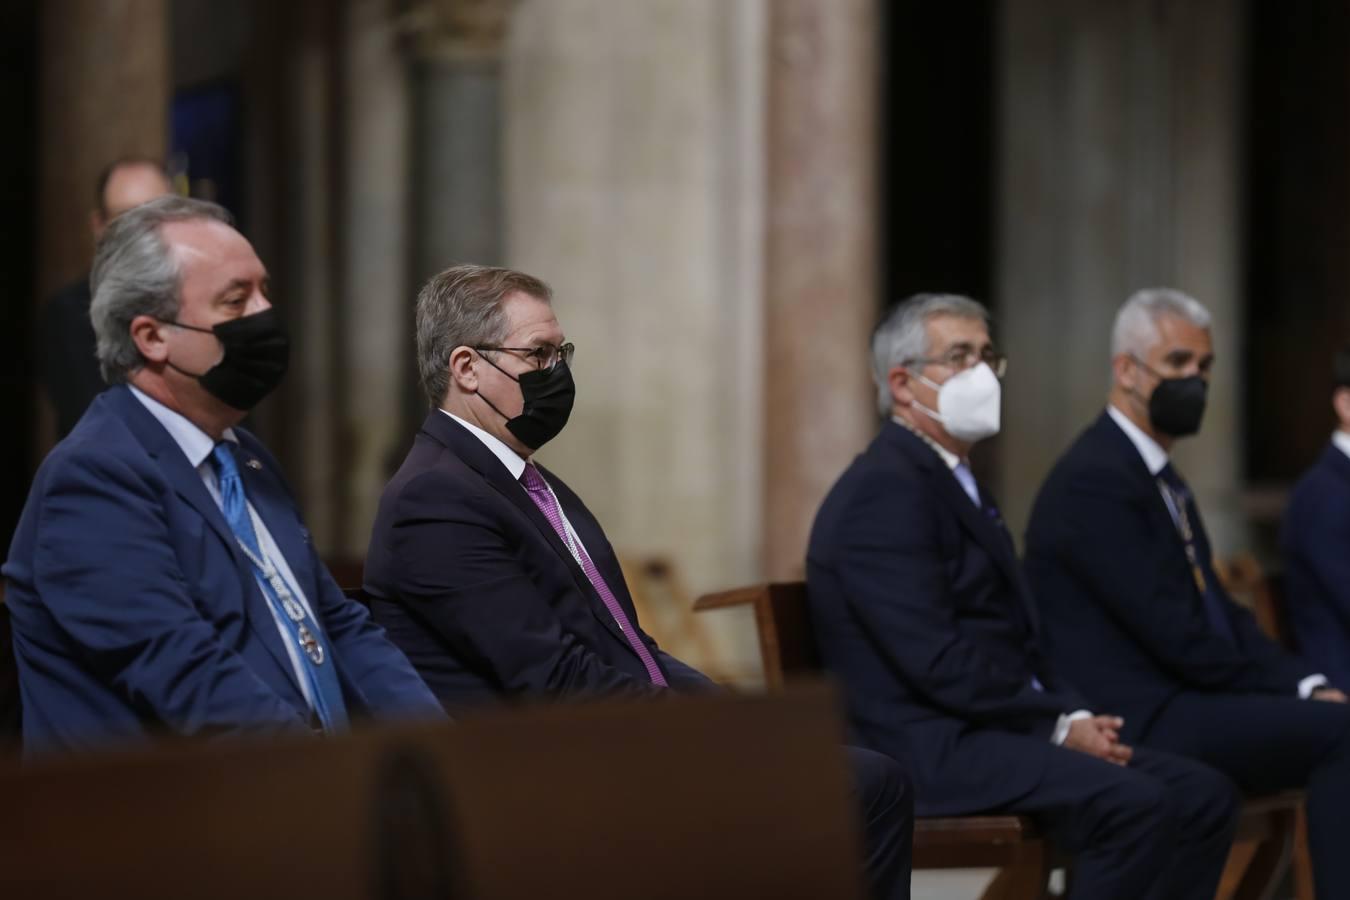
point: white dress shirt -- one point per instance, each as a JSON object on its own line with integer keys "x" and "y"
{"x": 1155, "y": 458}
{"x": 515, "y": 464}
{"x": 197, "y": 446}
{"x": 1341, "y": 440}
{"x": 967, "y": 481}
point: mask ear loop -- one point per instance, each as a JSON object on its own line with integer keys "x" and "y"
{"x": 483, "y": 396}
{"x": 170, "y": 363}
{"x": 937, "y": 388}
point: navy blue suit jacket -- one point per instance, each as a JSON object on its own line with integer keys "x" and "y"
{"x": 134, "y": 611}
{"x": 1316, "y": 542}
{"x": 919, "y": 607}
{"x": 1123, "y": 617}
{"x": 471, "y": 581}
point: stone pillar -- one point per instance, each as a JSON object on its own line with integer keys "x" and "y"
{"x": 375, "y": 295}
{"x": 821, "y": 271}
{"x": 634, "y": 148}
{"x": 1119, "y": 169}
{"x": 104, "y": 94}
{"x": 457, "y": 93}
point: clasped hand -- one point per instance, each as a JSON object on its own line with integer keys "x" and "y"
{"x": 1099, "y": 736}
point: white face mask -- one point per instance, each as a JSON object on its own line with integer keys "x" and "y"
{"x": 968, "y": 403}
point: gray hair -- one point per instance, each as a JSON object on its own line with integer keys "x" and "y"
{"x": 462, "y": 307}
{"x": 136, "y": 273}
{"x": 1136, "y": 327}
{"x": 902, "y": 335}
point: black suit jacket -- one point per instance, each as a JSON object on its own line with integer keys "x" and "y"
{"x": 470, "y": 580}
{"x": 1123, "y": 617}
{"x": 1316, "y": 540}
{"x": 69, "y": 365}
{"x": 919, "y": 607}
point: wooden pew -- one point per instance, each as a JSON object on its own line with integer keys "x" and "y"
{"x": 532, "y": 803}
{"x": 1010, "y": 843}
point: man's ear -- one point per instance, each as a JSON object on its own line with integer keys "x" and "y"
{"x": 147, "y": 332}
{"x": 96, "y": 224}
{"x": 901, "y": 394}
{"x": 463, "y": 370}
{"x": 1125, "y": 371}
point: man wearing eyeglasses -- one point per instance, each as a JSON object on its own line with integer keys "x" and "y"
{"x": 920, "y": 609}
{"x": 1119, "y": 560}
{"x": 492, "y": 575}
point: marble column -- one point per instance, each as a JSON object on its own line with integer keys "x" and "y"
{"x": 634, "y": 185}
{"x": 104, "y": 93}
{"x": 1119, "y": 167}
{"x": 821, "y": 272}
{"x": 375, "y": 292}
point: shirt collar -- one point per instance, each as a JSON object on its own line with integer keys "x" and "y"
{"x": 195, "y": 443}
{"x": 1155, "y": 457}
{"x": 1341, "y": 440}
{"x": 948, "y": 457}
{"x": 514, "y": 462}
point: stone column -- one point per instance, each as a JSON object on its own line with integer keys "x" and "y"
{"x": 376, "y": 294}
{"x": 821, "y": 271}
{"x": 1119, "y": 169}
{"x": 104, "y": 93}
{"x": 634, "y": 148}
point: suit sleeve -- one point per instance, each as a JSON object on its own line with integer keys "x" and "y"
{"x": 389, "y": 684}
{"x": 1317, "y": 533}
{"x": 895, "y": 581}
{"x": 460, "y": 572}
{"x": 106, "y": 570}
{"x": 1116, "y": 553}
{"x": 682, "y": 676}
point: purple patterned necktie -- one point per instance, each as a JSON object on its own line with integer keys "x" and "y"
{"x": 543, "y": 498}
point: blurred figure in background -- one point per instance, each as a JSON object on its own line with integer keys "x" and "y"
{"x": 161, "y": 580}
{"x": 494, "y": 577}
{"x": 919, "y": 607}
{"x": 68, "y": 365}
{"x": 1316, "y": 541}
{"x": 1134, "y": 613}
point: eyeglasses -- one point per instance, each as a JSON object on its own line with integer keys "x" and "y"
{"x": 545, "y": 356}
{"x": 958, "y": 359}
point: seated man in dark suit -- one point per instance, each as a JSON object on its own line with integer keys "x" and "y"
{"x": 1119, "y": 561}
{"x": 161, "y": 579}
{"x": 1316, "y": 540}
{"x": 69, "y": 363}
{"x": 919, "y": 607}
{"x": 491, "y": 574}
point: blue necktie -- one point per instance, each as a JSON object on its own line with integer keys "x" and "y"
{"x": 1181, "y": 510}
{"x": 319, "y": 665}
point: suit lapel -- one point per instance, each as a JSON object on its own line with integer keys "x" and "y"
{"x": 987, "y": 534}
{"x": 187, "y": 484}
{"x": 471, "y": 450}
{"x": 1337, "y": 462}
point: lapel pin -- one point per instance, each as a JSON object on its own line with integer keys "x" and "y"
{"x": 254, "y": 464}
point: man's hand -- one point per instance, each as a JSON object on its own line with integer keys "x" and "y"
{"x": 1329, "y": 694}
{"x": 1099, "y": 736}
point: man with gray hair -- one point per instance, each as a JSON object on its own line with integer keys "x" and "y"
{"x": 491, "y": 573}
{"x": 161, "y": 580}
{"x": 920, "y": 609}
{"x": 1134, "y": 613}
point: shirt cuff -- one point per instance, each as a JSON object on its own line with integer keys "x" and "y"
{"x": 1062, "y": 726}
{"x": 1310, "y": 684}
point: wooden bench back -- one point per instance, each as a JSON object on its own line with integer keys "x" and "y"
{"x": 525, "y": 803}
{"x": 783, "y": 624}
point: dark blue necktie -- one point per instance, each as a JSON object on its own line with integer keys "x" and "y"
{"x": 318, "y": 663}
{"x": 1185, "y": 516}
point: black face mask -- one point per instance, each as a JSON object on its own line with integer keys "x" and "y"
{"x": 548, "y": 395}
{"x": 257, "y": 352}
{"x": 1177, "y": 404}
